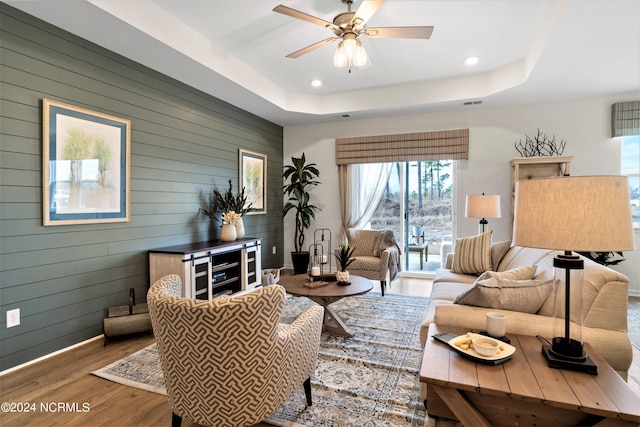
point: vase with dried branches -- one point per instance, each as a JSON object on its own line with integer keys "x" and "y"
{"x": 231, "y": 207}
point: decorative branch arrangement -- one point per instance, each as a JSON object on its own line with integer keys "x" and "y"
{"x": 226, "y": 202}
{"x": 540, "y": 145}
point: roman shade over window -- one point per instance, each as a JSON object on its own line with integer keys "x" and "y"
{"x": 440, "y": 145}
{"x": 625, "y": 118}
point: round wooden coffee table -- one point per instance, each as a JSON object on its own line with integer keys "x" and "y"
{"x": 326, "y": 295}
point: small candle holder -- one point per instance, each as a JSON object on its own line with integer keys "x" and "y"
{"x": 322, "y": 236}
{"x": 316, "y": 266}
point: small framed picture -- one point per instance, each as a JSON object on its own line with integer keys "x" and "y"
{"x": 253, "y": 177}
{"x": 86, "y": 166}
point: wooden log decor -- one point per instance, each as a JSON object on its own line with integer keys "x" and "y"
{"x": 126, "y": 319}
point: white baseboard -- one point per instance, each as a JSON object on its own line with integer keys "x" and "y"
{"x": 46, "y": 356}
{"x": 634, "y": 293}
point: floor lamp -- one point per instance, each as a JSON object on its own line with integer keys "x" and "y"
{"x": 578, "y": 213}
{"x": 482, "y": 207}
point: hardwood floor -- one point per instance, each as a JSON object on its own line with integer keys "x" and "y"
{"x": 66, "y": 379}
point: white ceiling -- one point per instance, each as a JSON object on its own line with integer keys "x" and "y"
{"x": 529, "y": 50}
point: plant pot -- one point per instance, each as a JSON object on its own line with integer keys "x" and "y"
{"x": 300, "y": 262}
{"x": 239, "y": 229}
{"x": 228, "y": 233}
{"x": 342, "y": 277}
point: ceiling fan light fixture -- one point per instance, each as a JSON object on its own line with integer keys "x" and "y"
{"x": 349, "y": 46}
{"x": 340, "y": 58}
{"x": 360, "y": 55}
{"x": 350, "y": 52}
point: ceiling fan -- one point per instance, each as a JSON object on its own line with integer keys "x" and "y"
{"x": 348, "y": 26}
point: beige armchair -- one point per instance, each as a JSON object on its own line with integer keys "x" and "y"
{"x": 228, "y": 362}
{"x": 377, "y": 255}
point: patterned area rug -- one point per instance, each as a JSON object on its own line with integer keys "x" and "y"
{"x": 371, "y": 379}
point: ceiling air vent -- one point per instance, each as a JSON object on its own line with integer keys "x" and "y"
{"x": 472, "y": 103}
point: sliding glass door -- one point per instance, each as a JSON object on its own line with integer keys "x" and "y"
{"x": 416, "y": 205}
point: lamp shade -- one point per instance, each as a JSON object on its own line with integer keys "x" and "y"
{"x": 574, "y": 213}
{"x": 483, "y": 206}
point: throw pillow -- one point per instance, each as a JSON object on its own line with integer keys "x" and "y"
{"x": 520, "y": 273}
{"x": 498, "y": 251}
{"x": 472, "y": 254}
{"x": 525, "y": 296}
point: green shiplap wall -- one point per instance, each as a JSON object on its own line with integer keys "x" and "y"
{"x": 184, "y": 143}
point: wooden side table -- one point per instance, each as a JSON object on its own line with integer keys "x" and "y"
{"x": 523, "y": 391}
{"x": 422, "y": 249}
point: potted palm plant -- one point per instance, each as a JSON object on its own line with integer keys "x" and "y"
{"x": 344, "y": 255}
{"x": 301, "y": 177}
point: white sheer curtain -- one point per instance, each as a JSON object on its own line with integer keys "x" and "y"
{"x": 361, "y": 188}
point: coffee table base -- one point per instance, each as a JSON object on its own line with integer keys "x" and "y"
{"x": 332, "y": 322}
{"x": 327, "y": 295}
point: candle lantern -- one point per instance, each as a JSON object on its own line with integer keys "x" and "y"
{"x": 316, "y": 265}
{"x": 322, "y": 236}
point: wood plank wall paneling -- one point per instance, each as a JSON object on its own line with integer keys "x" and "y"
{"x": 183, "y": 144}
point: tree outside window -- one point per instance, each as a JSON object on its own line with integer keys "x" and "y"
{"x": 630, "y": 166}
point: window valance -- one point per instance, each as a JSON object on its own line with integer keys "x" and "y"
{"x": 625, "y": 118}
{"x": 439, "y": 145}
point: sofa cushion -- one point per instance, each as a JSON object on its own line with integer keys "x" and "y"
{"x": 444, "y": 275}
{"x": 518, "y": 256}
{"x": 521, "y": 273}
{"x": 473, "y": 254}
{"x": 526, "y": 296}
{"x": 498, "y": 251}
{"x": 447, "y": 291}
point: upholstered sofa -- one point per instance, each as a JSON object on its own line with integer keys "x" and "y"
{"x": 605, "y": 302}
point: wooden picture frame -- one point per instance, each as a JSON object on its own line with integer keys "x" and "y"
{"x": 86, "y": 166}
{"x": 253, "y": 177}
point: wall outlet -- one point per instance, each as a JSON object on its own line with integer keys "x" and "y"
{"x": 274, "y": 250}
{"x": 13, "y": 317}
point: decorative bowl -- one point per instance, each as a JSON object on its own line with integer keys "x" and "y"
{"x": 486, "y": 346}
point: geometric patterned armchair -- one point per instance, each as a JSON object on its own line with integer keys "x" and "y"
{"x": 228, "y": 362}
{"x": 377, "y": 255}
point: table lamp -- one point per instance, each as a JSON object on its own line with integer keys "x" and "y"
{"x": 578, "y": 213}
{"x": 482, "y": 207}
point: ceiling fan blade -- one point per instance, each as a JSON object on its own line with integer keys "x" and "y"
{"x": 366, "y": 10}
{"x": 399, "y": 32}
{"x": 312, "y": 47}
{"x": 303, "y": 16}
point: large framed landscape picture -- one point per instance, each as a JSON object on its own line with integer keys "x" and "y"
{"x": 86, "y": 166}
{"x": 253, "y": 177}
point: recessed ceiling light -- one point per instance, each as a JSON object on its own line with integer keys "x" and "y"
{"x": 316, "y": 83}
{"x": 472, "y": 60}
